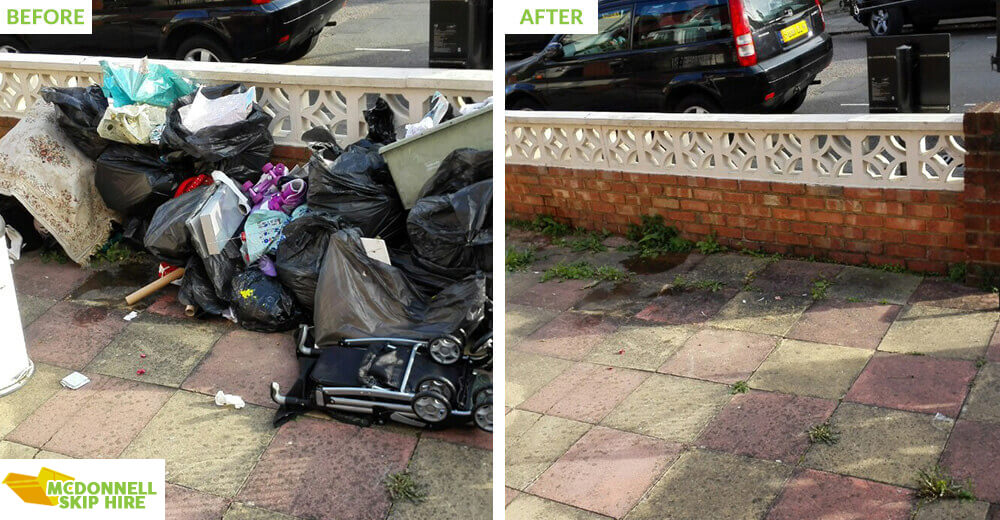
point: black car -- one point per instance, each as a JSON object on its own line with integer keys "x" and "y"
{"x": 887, "y": 17}
{"x": 525, "y": 44}
{"x": 680, "y": 56}
{"x": 193, "y": 30}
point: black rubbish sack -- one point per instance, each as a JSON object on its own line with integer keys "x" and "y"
{"x": 197, "y": 290}
{"x": 223, "y": 267}
{"x": 355, "y": 187}
{"x": 17, "y": 216}
{"x": 427, "y": 276}
{"x": 358, "y": 297}
{"x": 133, "y": 180}
{"x": 459, "y": 169}
{"x": 80, "y": 111}
{"x": 134, "y": 231}
{"x": 239, "y": 149}
{"x": 300, "y": 254}
{"x": 322, "y": 143}
{"x": 261, "y": 304}
{"x": 167, "y": 237}
{"x": 381, "y": 124}
{"x": 455, "y": 230}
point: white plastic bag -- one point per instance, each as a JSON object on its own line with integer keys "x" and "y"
{"x": 224, "y": 110}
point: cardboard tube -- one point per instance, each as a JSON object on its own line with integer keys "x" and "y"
{"x": 190, "y": 311}
{"x": 154, "y": 286}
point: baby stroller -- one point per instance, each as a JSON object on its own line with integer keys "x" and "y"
{"x": 426, "y": 383}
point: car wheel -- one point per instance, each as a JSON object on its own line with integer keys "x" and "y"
{"x": 482, "y": 415}
{"x": 885, "y": 21}
{"x": 697, "y": 104}
{"x": 925, "y": 26}
{"x": 431, "y": 407}
{"x": 525, "y": 103}
{"x": 203, "y": 48}
{"x": 12, "y": 46}
{"x": 793, "y": 103}
{"x": 301, "y": 50}
{"x": 437, "y": 384}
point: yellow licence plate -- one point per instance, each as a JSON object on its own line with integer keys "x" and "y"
{"x": 794, "y": 31}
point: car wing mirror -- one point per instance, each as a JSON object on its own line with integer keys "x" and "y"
{"x": 553, "y": 51}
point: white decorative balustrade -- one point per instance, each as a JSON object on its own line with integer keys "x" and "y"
{"x": 299, "y": 97}
{"x": 903, "y": 151}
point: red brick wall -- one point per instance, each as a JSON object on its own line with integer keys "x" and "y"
{"x": 921, "y": 230}
{"x": 982, "y": 193}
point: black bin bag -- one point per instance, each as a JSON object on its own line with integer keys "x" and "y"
{"x": 239, "y": 149}
{"x": 197, "y": 290}
{"x": 261, "y": 304}
{"x": 133, "y": 181}
{"x": 455, "y": 230}
{"x": 462, "y": 167}
{"x": 381, "y": 125}
{"x": 355, "y": 186}
{"x": 80, "y": 111}
{"x": 300, "y": 254}
{"x": 167, "y": 237}
{"x": 358, "y": 296}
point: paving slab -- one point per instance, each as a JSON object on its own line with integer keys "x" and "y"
{"x": 245, "y": 363}
{"x": 468, "y": 435}
{"x": 618, "y": 299}
{"x": 527, "y": 373}
{"x": 521, "y": 320}
{"x": 31, "y": 307}
{"x": 13, "y": 450}
{"x": 173, "y": 349}
{"x": 873, "y": 285}
{"x": 238, "y": 511}
{"x": 880, "y": 444}
{"x": 70, "y": 335}
{"x": 642, "y": 347}
{"x": 531, "y": 451}
{"x": 762, "y": 313}
{"x": 109, "y": 285}
{"x": 606, "y": 471}
{"x": 983, "y": 403}
{"x": 328, "y": 470}
{"x": 46, "y": 454}
{"x": 509, "y": 495}
{"x": 207, "y": 447}
{"x": 973, "y": 452}
{"x": 947, "y": 294}
{"x": 530, "y": 507}
{"x": 817, "y": 494}
{"x": 166, "y": 304}
{"x": 519, "y": 282}
{"x": 585, "y": 392}
{"x": 916, "y": 383}
{"x": 188, "y": 504}
{"x": 849, "y": 324}
{"x": 812, "y": 369}
{"x": 934, "y": 331}
{"x": 993, "y": 351}
{"x": 18, "y": 406}
{"x": 664, "y": 269}
{"x": 686, "y": 307}
{"x": 456, "y": 480}
{"x": 734, "y": 270}
{"x": 97, "y": 421}
{"x": 766, "y": 425}
{"x": 792, "y": 277}
{"x": 570, "y": 335}
{"x": 47, "y": 279}
{"x": 669, "y": 407}
{"x": 705, "y": 484}
{"x": 723, "y": 356}
{"x": 952, "y": 510}
{"x": 554, "y": 295}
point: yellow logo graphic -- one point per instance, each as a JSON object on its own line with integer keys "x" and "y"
{"x": 32, "y": 489}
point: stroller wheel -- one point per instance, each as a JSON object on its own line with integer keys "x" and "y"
{"x": 483, "y": 394}
{"x": 482, "y": 415}
{"x": 431, "y": 407}
{"x": 446, "y": 350}
{"x": 439, "y": 385}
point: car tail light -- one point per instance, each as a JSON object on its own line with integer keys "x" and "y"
{"x": 260, "y": 2}
{"x": 745, "y": 51}
{"x": 822, "y": 18}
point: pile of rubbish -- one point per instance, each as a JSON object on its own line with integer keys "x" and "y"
{"x": 327, "y": 248}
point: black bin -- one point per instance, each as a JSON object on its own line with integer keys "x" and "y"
{"x": 461, "y": 34}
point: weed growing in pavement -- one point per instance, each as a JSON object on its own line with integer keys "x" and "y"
{"x": 762, "y": 254}
{"x": 889, "y": 268}
{"x": 518, "y": 260}
{"x": 823, "y": 433}
{"x": 401, "y": 486}
{"x": 654, "y": 238}
{"x": 883, "y": 301}
{"x": 739, "y": 387}
{"x": 592, "y": 242}
{"x": 116, "y": 253}
{"x": 853, "y": 299}
{"x": 956, "y": 272}
{"x": 55, "y": 255}
{"x": 980, "y": 362}
{"x": 582, "y": 270}
{"x": 707, "y": 285}
{"x": 544, "y": 224}
{"x": 709, "y": 246}
{"x": 819, "y": 287}
{"x": 937, "y": 484}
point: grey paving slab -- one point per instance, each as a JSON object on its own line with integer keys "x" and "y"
{"x": 31, "y": 307}
{"x": 983, "y": 402}
{"x": 669, "y": 407}
{"x": 641, "y": 347}
{"x": 530, "y": 507}
{"x": 527, "y": 373}
{"x": 860, "y": 283}
{"x": 534, "y": 442}
{"x": 812, "y": 369}
{"x": 522, "y": 320}
{"x": 762, "y": 313}
{"x": 934, "y": 331}
{"x": 456, "y": 480}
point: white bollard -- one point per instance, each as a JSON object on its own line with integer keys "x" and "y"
{"x": 15, "y": 366}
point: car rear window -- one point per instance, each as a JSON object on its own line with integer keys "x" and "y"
{"x": 763, "y": 12}
{"x": 661, "y": 24}
{"x": 612, "y": 35}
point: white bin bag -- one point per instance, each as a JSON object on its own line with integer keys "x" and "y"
{"x": 15, "y": 367}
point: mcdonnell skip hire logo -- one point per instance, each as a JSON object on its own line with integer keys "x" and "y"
{"x": 51, "y": 488}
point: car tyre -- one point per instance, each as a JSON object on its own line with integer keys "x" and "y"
{"x": 12, "y": 46}
{"x": 301, "y": 50}
{"x": 885, "y": 21}
{"x": 526, "y": 103}
{"x": 793, "y": 103}
{"x": 203, "y": 48}
{"x": 697, "y": 104}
